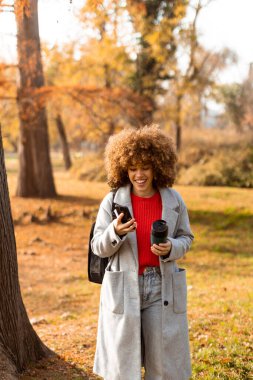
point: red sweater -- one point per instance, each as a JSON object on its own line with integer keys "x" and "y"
{"x": 146, "y": 211}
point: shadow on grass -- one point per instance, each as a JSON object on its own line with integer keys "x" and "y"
{"x": 54, "y": 368}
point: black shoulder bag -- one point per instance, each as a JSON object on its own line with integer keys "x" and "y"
{"x": 96, "y": 264}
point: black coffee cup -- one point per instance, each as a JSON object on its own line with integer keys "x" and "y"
{"x": 159, "y": 232}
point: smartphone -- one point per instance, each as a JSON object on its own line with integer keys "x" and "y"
{"x": 118, "y": 209}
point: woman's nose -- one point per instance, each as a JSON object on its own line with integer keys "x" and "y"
{"x": 139, "y": 172}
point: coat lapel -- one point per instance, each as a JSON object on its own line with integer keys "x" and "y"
{"x": 170, "y": 209}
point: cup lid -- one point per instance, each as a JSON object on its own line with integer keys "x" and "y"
{"x": 160, "y": 228}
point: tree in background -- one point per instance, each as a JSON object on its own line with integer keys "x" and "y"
{"x": 141, "y": 61}
{"x": 19, "y": 343}
{"x": 114, "y": 68}
{"x": 95, "y": 86}
{"x": 8, "y": 107}
{"x": 160, "y": 38}
{"x": 238, "y": 101}
{"x": 247, "y": 86}
{"x": 35, "y": 170}
{"x": 64, "y": 141}
{"x": 191, "y": 83}
{"x": 232, "y": 96}
{"x": 155, "y": 24}
{"x": 110, "y": 61}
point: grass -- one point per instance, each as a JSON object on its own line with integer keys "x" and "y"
{"x": 219, "y": 272}
{"x": 220, "y": 283}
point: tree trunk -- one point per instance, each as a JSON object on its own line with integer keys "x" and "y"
{"x": 19, "y": 343}
{"x": 12, "y": 142}
{"x": 64, "y": 142}
{"x": 178, "y": 137}
{"x": 111, "y": 123}
{"x": 106, "y": 135}
{"x": 35, "y": 170}
{"x": 178, "y": 122}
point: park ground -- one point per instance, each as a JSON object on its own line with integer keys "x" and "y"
{"x": 63, "y": 305}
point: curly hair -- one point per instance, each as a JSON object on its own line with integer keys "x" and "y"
{"x": 147, "y": 145}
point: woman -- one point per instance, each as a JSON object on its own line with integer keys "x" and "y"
{"x": 142, "y": 317}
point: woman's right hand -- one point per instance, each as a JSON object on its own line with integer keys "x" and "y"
{"x": 123, "y": 228}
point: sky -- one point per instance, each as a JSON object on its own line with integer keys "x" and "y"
{"x": 228, "y": 23}
{"x": 223, "y": 23}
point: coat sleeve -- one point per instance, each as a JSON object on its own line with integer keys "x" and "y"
{"x": 105, "y": 241}
{"x": 182, "y": 241}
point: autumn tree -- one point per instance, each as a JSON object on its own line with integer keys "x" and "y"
{"x": 19, "y": 343}
{"x": 247, "y": 98}
{"x": 93, "y": 95}
{"x": 64, "y": 141}
{"x": 237, "y": 99}
{"x": 114, "y": 67}
{"x": 35, "y": 170}
{"x": 193, "y": 81}
{"x": 232, "y": 96}
{"x": 110, "y": 64}
{"x": 8, "y": 107}
{"x": 156, "y": 24}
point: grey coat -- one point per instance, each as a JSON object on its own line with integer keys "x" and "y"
{"x": 118, "y": 352}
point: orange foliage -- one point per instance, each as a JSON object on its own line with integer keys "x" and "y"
{"x": 123, "y": 100}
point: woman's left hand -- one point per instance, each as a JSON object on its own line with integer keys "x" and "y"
{"x": 162, "y": 249}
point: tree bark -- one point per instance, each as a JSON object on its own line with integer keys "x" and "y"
{"x": 19, "y": 343}
{"x": 178, "y": 122}
{"x": 35, "y": 170}
{"x": 12, "y": 142}
{"x": 64, "y": 142}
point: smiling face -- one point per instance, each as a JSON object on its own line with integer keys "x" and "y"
{"x": 141, "y": 176}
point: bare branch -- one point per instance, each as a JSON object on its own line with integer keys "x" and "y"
{"x": 8, "y": 98}
{"x": 8, "y": 65}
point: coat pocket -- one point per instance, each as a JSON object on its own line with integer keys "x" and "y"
{"x": 113, "y": 291}
{"x": 179, "y": 291}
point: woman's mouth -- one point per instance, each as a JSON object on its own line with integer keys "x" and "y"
{"x": 140, "y": 181}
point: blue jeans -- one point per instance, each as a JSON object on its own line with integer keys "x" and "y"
{"x": 151, "y": 322}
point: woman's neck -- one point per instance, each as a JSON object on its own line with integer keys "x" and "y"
{"x": 144, "y": 194}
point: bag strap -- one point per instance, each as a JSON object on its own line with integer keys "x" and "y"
{"x": 111, "y": 261}
{"x": 113, "y": 196}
